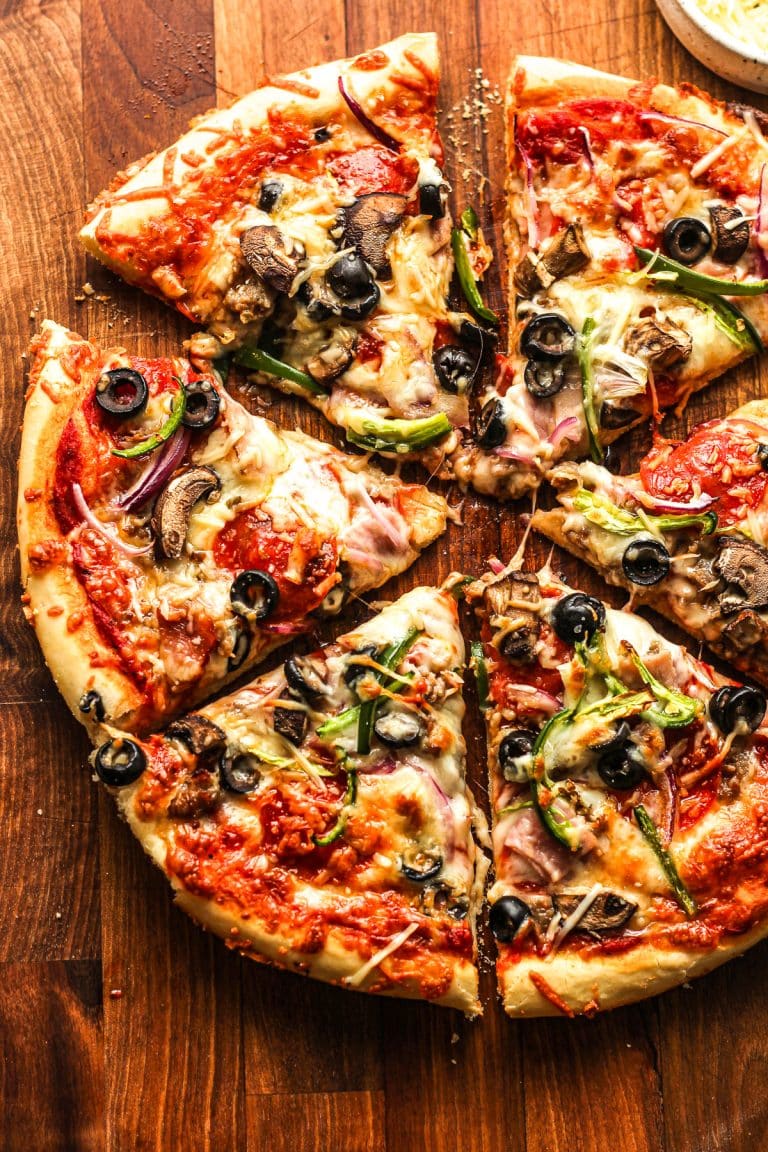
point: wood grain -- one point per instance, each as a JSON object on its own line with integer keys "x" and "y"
{"x": 122, "y": 1026}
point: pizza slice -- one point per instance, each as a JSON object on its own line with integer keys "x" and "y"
{"x": 637, "y": 242}
{"x": 319, "y": 818}
{"x": 306, "y": 227}
{"x": 686, "y": 535}
{"x": 169, "y": 539}
{"x": 629, "y": 784}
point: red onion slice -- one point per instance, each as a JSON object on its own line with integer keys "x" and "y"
{"x": 531, "y": 205}
{"x": 654, "y": 504}
{"x": 761, "y": 222}
{"x": 155, "y": 475}
{"x": 495, "y": 565}
{"x": 567, "y": 429}
{"x": 666, "y": 119}
{"x": 533, "y": 697}
{"x": 384, "y": 767}
{"x": 519, "y": 457}
{"x": 359, "y": 112}
{"x": 587, "y": 144}
{"x": 93, "y": 521}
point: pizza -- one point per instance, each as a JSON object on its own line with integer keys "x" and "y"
{"x": 306, "y": 228}
{"x": 637, "y": 243}
{"x": 686, "y": 535}
{"x": 629, "y": 790}
{"x": 169, "y": 539}
{"x": 319, "y": 818}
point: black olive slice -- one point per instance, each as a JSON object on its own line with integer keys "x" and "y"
{"x": 241, "y": 773}
{"x": 359, "y": 309}
{"x": 491, "y": 428}
{"x": 578, "y": 617}
{"x": 455, "y": 368}
{"x": 514, "y": 747}
{"x": 686, "y": 239}
{"x": 548, "y": 336}
{"x": 398, "y": 728}
{"x": 254, "y": 594}
{"x": 303, "y": 677}
{"x": 350, "y": 277}
{"x": 290, "y": 723}
{"x": 544, "y": 378}
{"x": 645, "y": 562}
{"x": 762, "y": 455}
{"x": 269, "y": 195}
{"x": 613, "y": 743}
{"x": 475, "y": 333}
{"x": 431, "y": 202}
{"x": 731, "y": 707}
{"x": 92, "y": 702}
{"x": 421, "y": 864}
{"x": 120, "y": 762}
{"x": 240, "y": 649}
{"x": 202, "y": 407}
{"x": 621, "y": 767}
{"x": 519, "y": 645}
{"x": 730, "y": 233}
{"x": 122, "y": 392}
{"x": 353, "y": 670}
{"x": 507, "y": 917}
{"x": 322, "y": 134}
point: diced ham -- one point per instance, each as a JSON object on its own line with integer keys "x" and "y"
{"x": 527, "y": 852}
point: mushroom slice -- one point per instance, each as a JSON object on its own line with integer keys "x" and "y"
{"x": 290, "y": 723}
{"x": 658, "y": 341}
{"x": 512, "y": 614}
{"x": 503, "y": 596}
{"x": 567, "y": 252}
{"x": 334, "y": 357}
{"x": 744, "y": 565}
{"x": 369, "y": 223}
{"x": 197, "y": 733}
{"x": 744, "y": 632}
{"x": 606, "y": 913}
{"x": 730, "y": 232}
{"x": 173, "y": 509}
{"x": 199, "y": 788}
{"x": 272, "y": 255}
{"x": 249, "y": 300}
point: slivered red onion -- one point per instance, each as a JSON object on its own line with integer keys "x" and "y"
{"x": 761, "y": 222}
{"x": 533, "y": 697}
{"x": 495, "y": 565}
{"x": 359, "y": 112}
{"x": 567, "y": 429}
{"x": 384, "y": 767}
{"x": 666, "y": 119}
{"x": 532, "y": 208}
{"x": 81, "y": 504}
{"x": 697, "y": 504}
{"x": 519, "y": 457}
{"x": 446, "y": 810}
{"x": 587, "y": 143}
{"x": 155, "y": 475}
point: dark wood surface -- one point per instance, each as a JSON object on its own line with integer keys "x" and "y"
{"x": 122, "y": 1026}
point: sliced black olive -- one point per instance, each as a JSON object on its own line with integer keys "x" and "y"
{"x": 350, "y": 277}
{"x": 240, "y": 649}
{"x": 762, "y": 455}
{"x": 645, "y": 561}
{"x": 730, "y": 232}
{"x": 578, "y": 617}
{"x": 431, "y": 202}
{"x": 317, "y": 301}
{"x": 241, "y": 773}
{"x": 359, "y": 309}
{"x": 545, "y": 378}
{"x": 491, "y": 429}
{"x": 202, "y": 407}
{"x": 547, "y": 337}
{"x": 475, "y": 333}
{"x": 269, "y": 194}
{"x": 507, "y": 917}
{"x": 290, "y": 723}
{"x": 254, "y": 594}
{"x": 440, "y": 897}
{"x": 455, "y": 368}
{"x": 613, "y": 743}
{"x": 420, "y": 864}
{"x": 122, "y": 392}
{"x": 686, "y": 239}
{"x": 513, "y": 748}
{"x": 322, "y": 134}
{"x": 92, "y": 702}
{"x": 519, "y": 644}
{"x": 731, "y": 707}
{"x": 398, "y": 728}
{"x": 303, "y": 677}
{"x": 120, "y": 762}
{"x": 621, "y": 767}
{"x": 354, "y": 671}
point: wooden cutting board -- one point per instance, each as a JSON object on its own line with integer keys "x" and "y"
{"x": 122, "y": 1026}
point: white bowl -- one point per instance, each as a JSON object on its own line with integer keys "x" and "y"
{"x": 735, "y": 60}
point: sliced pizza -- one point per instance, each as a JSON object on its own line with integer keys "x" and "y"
{"x": 319, "y": 817}
{"x": 637, "y": 239}
{"x": 307, "y": 227}
{"x": 169, "y": 539}
{"x": 686, "y": 535}
{"x": 629, "y": 787}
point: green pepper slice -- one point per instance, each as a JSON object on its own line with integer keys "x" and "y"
{"x": 480, "y": 669}
{"x": 390, "y": 659}
{"x": 400, "y": 435}
{"x": 259, "y": 361}
{"x": 178, "y": 408}
{"x": 667, "y": 270}
{"x": 350, "y": 797}
{"x": 650, "y": 832}
{"x": 469, "y": 226}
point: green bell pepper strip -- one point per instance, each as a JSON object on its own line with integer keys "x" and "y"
{"x": 730, "y": 320}
{"x": 650, "y": 832}
{"x": 562, "y": 830}
{"x": 350, "y": 797}
{"x": 621, "y": 522}
{"x": 480, "y": 669}
{"x": 673, "y": 709}
{"x": 390, "y": 659}
{"x": 259, "y": 361}
{"x": 666, "y": 270}
{"x": 400, "y": 435}
{"x": 178, "y": 408}
{"x": 469, "y": 225}
{"x": 222, "y": 365}
{"x": 584, "y": 356}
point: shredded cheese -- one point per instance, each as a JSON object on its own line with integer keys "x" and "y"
{"x": 746, "y": 20}
{"x": 357, "y": 978}
{"x": 715, "y": 153}
{"x": 578, "y": 913}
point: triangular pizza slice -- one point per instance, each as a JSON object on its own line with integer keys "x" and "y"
{"x": 629, "y": 784}
{"x": 637, "y": 242}
{"x": 306, "y": 227}
{"x": 169, "y": 539}
{"x": 319, "y": 817}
